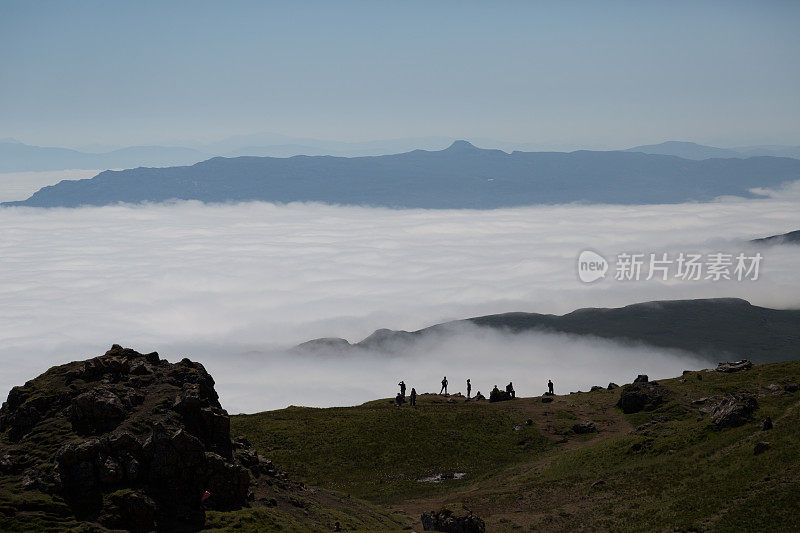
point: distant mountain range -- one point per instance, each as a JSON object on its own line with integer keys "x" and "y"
{"x": 19, "y": 157}
{"x": 689, "y": 150}
{"x": 723, "y": 328}
{"x": 461, "y": 176}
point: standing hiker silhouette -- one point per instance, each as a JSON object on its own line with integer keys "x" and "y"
{"x": 444, "y": 386}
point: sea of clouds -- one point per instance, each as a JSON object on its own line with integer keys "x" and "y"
{"x": 236, "y": 286}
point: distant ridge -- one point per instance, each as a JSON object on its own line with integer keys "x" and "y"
{"x": 793, "y": 237}
{"x": 719, "y": 327}
{"x": 686, "y": 150}
{"x": 461, "y": 176}
{"x": 690, "y": 150}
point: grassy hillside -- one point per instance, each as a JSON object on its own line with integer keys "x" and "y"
{"x": 665, "y": 469}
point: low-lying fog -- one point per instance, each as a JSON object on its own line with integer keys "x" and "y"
{"x": 236, "y": 286}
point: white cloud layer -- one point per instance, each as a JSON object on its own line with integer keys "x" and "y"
{"x": 235, "y": 285}
{"x": 16, "y": 186}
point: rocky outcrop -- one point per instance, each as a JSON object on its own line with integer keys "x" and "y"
{"x": 135, "y": 442}
{"x": 736, "y": 366}
{"x": 641, "y": 395}
{"x": 447, "y": 520}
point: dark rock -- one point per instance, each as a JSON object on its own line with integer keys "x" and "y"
{"x": 547, "y": 399}
{"x": 735, "y": 366}
{"x": 766, "y": 424}
{"x": 96, "y": 411}
{"x": 760, "y": 448}
{"x": 228, "y": 483}
{"x": 641, "y": 378}
{"x": 596, "y": 388}
{"x": 132, "y": 510}
{"x": 641, "y": 395}
{"x": 584, "y": 427}
{"x": 733, "y": 410}
{"x": 446, "y": 520}
{"x": 612, "y": 386}
{"x": 31, "y": 479}
{"x": 529, "y": 422}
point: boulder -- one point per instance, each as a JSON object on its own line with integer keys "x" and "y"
{"x": 446, "y": 520}
{"x": 612, "y": 386}
{"x": 547, "y": 399}
{"x": 641, "y": 378}
{"x": 641, "y": 395}
{"x": 760, "y": 448}
{"x": 584, "y": 427}
{"x": 733, "y": 410}
{"x": 596, "y": 388}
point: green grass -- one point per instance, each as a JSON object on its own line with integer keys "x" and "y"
{"x": 678, "y": 473}
{"x": 379, "y": 452}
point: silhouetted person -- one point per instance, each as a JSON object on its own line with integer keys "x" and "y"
{"x": 337, "y": 526}
{"x": 510, "y": 389}
{"x": 399, "y": 399}
{"x": 402, "y": 388}
{"x": 412, "y": 399}
{"x": 469, "y": 389}
{"x": 550, "y": 386}
{"x": 444, "y": 386}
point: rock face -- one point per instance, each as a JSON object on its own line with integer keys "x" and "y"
{"x": 446, "y": 520}
{"x": 641, "y": 395}
{"x": 736, "y": 366}
{"x": 641, "y": 378}
{"x": 140, "y": 440}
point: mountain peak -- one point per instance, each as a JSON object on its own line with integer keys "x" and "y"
{"x": 461, "y": 146}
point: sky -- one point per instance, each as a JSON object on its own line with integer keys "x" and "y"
{"x": 237, "y": 286}
{"x": 584, "y": 74}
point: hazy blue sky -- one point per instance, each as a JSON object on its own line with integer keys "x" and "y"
{"x": 590, "y": 73}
